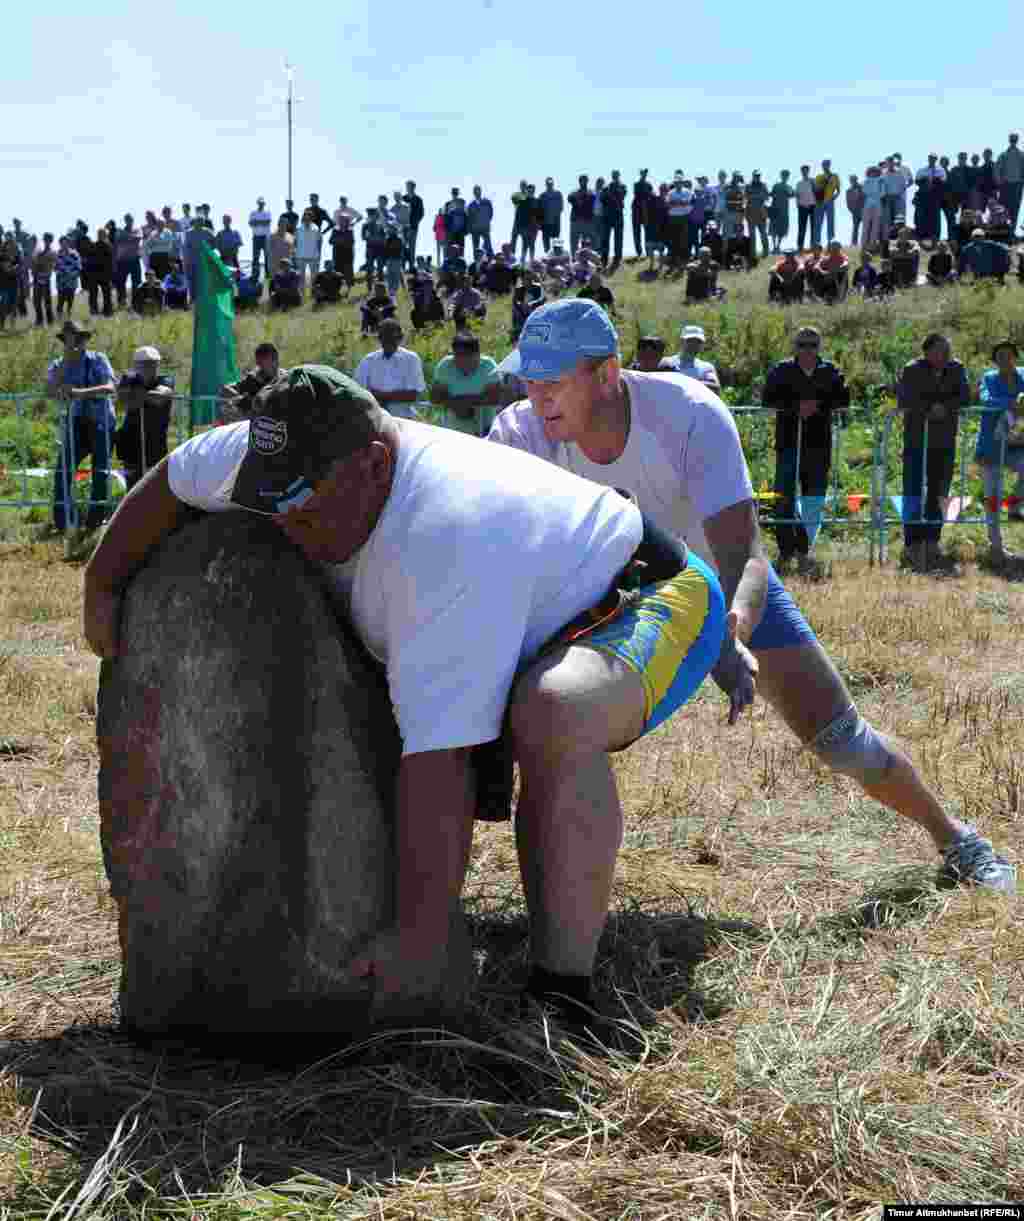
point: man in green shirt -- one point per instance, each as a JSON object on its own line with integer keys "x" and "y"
{"x": 468, "y": 386}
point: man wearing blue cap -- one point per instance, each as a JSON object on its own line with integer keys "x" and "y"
{"x": 491, "y": 589}
{"x": 672, "y": 443}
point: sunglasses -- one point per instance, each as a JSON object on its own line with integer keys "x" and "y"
{"x": 811, "y": 347}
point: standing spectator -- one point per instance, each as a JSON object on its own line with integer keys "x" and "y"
{"x": 959, "y": 182}
{"x": 68, "y": 269}
{"x": 345, "y": 216}
{"x": 308, "y": 241}
{"x": 27, "y": 248}
{"x": 894, "y": 195}
{"x": 203, "y": 219}
{"x": 343, "y": 244}
{"x": 416, "y": 214}
{"x": 517, "y": 199}
{"x": 702, "y": 205}
{"x": 228, "y": 242}
{"x": 393, "y": 374}
{"x": 376, "y": 308}
{"x": 440, "y": 235}
{"x": 778, "y": 221}
{"x": 468, "y": 386}
{"x": 947, "y": 202}
{"x": 394, "y": 256}
{"x": 1001, "y": 440}
{"x": 400, "y": 214}
{"x": 281, "y": 246}
{"x": 147, "y": 397}
{"x": 679, "y": 203}
{"x": 855, "y": 206}
{"x": 1010, "y": 175}
{"x": 787, "y": 281}
{"x": 758, "y": 196}
{"x": 285, "y": 286}
{"x": 159, "y": 248}
{"x": 826, "y": 187}
{"x": 175, "y": 287}
{"x": 195, "y": 239}
{"x": 289, "y": 217}
{"x": 613, "y": 202}
{"x": 721, "y": 191}
{"x": 688, "y": 360}
{"x": 804, "y": 206}
{"x": 598, "y": 241}
{"x": 43, "y": 264}
{"x": 581, "y": 214}
{"x": 642, "y": 192}
{"x": 260, "y": 221}
{"x": 873, "y": 191}
{"x": 656, "y": 226}
{"x": 455, "y": 221}
{"x": 984, "y": 259}
{"x": 320, "y": 215}
{"x": 803, "y": 391}
{"x": 552, "y": 206}
{"x": 99, "y": 270}
{"x": 931, "y": 390}
{"x": 480, "y": 214}
{"x": 986, "y": 182}
{"x": 84, "y": 381}
{"x": 931, "y": 186}
{"x": 128, "y": 260}
{"x": 149, "y": 298}
{"x": 374, "y": 234}
{"x": 735, "y": 208}
{"x": 10, "y": 266}
{"x": 529, "y": 214}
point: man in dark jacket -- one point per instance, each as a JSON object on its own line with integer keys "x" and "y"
{"x": 613, "y": 202}
{"x": 643, "y": 191}
{"x": 930, "y": 391}
{"x": 581, "y": 215}
{"x": 804, "y": 391}
{"x": 415, "y": 217}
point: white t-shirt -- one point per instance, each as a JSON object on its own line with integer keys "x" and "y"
{"x": 805, "y": 192}
{"x": 683, "y": 459}
{"x": 402, "y": 371}
{"x": 260, "y": 222}
{"x": 479, "y": 557}
{"x": 701, "y": 370}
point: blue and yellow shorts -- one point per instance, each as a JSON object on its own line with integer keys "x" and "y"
{"x": 671, "y": 634}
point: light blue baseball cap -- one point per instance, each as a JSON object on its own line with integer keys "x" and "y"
{"x": 558, "y": 334}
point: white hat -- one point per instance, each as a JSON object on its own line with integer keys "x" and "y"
{"x": 692, "y": 332}
{"x": 143, "y": 355}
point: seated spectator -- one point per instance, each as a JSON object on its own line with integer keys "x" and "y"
{"x": 427, "y": 306}
{"x": 453, "y": 266}
{"x": 689, "y": 362}
{"x": 941, "y": 268}
{"x": 588, "y": 260}
{"x": 527, "y": 297}
{"x": 285, "y": 287}
{"x": 865, "y": 278}
{"x": 376, "y": 308}
{"x": 886, "y": 280}
{"x": 558, "y": 266}
{"x": 965, "y": 226}
{"x": 702, "y": 278}
{"x": 596, "y": 290}
{"x": 327, "y": 286}
{"x": 465, "y": 303}
{"x": 832, "y": 276}
{"x": 248, "y": 290}
{"x": 984, "y": 259}
{"x": 650, "y": 355}
{"x": 175, "y": 287}
{"x": 740, "y": 254}
{"x": 148, "y": 298}
{"x": 237, "y": 398}
{"x": 468, "y": 386}
{"x": 500, "y": 277}
{"x": 998, "y": 227}
{"x": 787, "y": 281}
{"x": 393, "y": 374}
{"x": 146, "y": 396}
{"x": 905, "y": 257}
{"x": 715, "y": 242}
{"x": 509, "y": 251}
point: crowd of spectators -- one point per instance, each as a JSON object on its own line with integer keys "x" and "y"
{"x": 682, "y": 226}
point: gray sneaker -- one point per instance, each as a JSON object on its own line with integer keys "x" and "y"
{"x": 969, "y": 858}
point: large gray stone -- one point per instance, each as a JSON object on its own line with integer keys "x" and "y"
{"x": 248, "y": 755}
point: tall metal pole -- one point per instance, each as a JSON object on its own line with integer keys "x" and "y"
{"x": 290, "y": 195}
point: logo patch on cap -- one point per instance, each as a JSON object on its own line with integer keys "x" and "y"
{"x": 267, "y": 436}
{"x": 537, "y": 332}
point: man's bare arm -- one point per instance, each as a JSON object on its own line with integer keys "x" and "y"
{"x": 147, "y": 514}
{"x": 735, "y": 542}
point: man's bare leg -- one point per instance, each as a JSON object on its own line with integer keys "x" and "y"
{"x": 804, "y": 687}
{"x": 567, "y": 712}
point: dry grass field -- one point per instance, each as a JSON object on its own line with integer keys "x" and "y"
{"x": 824, "y": 1031}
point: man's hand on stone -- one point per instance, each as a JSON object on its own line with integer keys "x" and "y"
{"x": 101, "y": 620}
{"x": 398, "y": 962}
{"x": 736, "y": 672}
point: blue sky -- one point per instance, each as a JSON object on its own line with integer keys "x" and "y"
{"x": 122, "y": 107}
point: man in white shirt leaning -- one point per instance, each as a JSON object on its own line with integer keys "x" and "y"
{"x": 393, "y": 374}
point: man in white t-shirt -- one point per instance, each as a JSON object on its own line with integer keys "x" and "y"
{"x": 688, "y": 361}
{"x": 260, "y": 220}
{"x": 393, "y": 374}
{"x": 672, "y": 443}
{"x": 475, "y": 576}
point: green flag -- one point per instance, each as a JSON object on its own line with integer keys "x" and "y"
{"x": 213, "y": 336}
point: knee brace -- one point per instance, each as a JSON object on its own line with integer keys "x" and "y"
{"x": 849, "y": 746}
